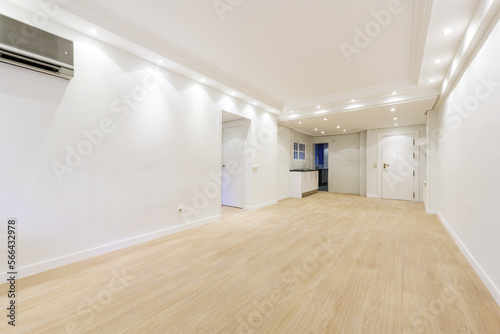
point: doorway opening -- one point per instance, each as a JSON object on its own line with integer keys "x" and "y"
{"x": 321, "y": 164}
{"x": 234, "y": 131}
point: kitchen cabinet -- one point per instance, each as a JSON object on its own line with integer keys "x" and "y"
{"x": 303, "y": 183}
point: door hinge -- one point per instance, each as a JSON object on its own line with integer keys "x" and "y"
{"x": 413, "y": 142}
{"x": 414, "y": 195}
{"x": 413, "y": 173}
{"x": 413, "y": 155}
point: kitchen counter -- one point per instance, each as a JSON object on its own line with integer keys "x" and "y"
{"x": 303, "y": 182}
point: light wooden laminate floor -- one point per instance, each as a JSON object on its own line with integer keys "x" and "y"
{"x": 327, "y": 263}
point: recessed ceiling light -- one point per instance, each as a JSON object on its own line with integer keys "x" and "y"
{"x": 394, "y": 93}
{"x": 437, "y": 61}
{"x": 325, "y": 119}
{"x": 202, "y": 80}
{"x": 291, "y": 111}
{"x": 316, "y": 129}
{"x": 431, "y": 80}
{"x": 447, "y": 32}
{"x": 395, "y": 118}
{"x": 345, "y": 130}
{"x": 318, "y": 107}
{"x": 93, "y": 31}
{"x": 338, "y": 127}
{"x": 353, "y": 100}
{"x": 300, "y": 122}
{"x": 322, "y": 132}
{"x": 396, "y": 124}
{"x": 393, "y": 109}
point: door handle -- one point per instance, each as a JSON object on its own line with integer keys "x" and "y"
{"x": 386, "y": 165}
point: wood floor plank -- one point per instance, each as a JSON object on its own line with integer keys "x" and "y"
{"x": 327, "y": 263}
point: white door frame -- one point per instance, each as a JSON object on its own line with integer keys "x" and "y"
{"x": 246, "y": 123}
{"x": 416, "y": 164}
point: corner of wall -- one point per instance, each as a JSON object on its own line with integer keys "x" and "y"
{"x": 260, "y": 206}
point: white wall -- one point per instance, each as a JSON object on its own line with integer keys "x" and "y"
{"x": 284, "y": 151}
{"x": 362, "y": 163}
{"x": 432, "y": 152}
{"x": 372, "y": 179}
{"x": 285, "y": 161}
{"x": 310, "y": 154}
{"x": 353, "y": 160}
{"x": 343, "y": 162}
{"x": 468, "y": 162}
{"x": 262, "y": 153}
{"x": 161, "y": 152}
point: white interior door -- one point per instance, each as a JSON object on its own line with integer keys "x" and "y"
{"x": 233, "y": 138}
{"x": 398, "y": 167}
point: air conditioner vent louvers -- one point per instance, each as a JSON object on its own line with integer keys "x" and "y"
{"x": 12, "y": 57}
{"x": 35, "y": 49}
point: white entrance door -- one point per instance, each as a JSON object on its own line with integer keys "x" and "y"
{"x": 233, "y": 138}
{"x": 397, "y": 167}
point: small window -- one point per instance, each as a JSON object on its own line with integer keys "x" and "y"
{"x": 299, "y": 151}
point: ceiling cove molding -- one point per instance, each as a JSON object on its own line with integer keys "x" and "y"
{"x": 422, "y": 15}
{"x": 300, "y": 131}
{"x": 485, "y": 19}
{"x": 316, "y": 135}
{"x": 359, "y": 95}
{"x": 106, "y": 19}
{"x": 375, "y": 103}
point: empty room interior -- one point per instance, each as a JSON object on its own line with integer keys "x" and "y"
{"x": 237, "y": 166}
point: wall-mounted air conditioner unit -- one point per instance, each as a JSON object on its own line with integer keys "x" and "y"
{"x": 29, "y": 47}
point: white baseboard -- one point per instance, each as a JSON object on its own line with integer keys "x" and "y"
{"x": 495, "y": 292}
{"x": 260, "y": 206}
{"x": 280, "y": 198}
{"x": 431, "y": 212}
{"x": 79, "y": 256}
{"x": 372, "y": 196}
